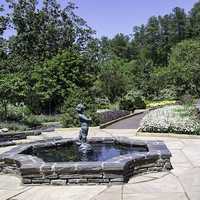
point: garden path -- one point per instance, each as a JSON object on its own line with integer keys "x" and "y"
{"x": 129, "y": 123}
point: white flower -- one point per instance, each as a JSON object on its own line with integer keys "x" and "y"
{"x": 175, "y": 118}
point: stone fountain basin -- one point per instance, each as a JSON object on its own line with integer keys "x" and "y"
{"x": 116, "y": 170}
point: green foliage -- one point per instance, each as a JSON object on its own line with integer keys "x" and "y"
{"x": 184, "y": 67}
{"x": 70, "y": 117}
{"x": 194, "y": 18}
{"x": 44, "y": 30}
{"x": 187, "y": 100}
{"x": 15, "y": 113}
{"x": 112, "y": 80}
{"x": 52, "y": 63}
{"x": 11, "y": 90}
{"x": 14, "y": 126}
{"x": 132, "y": 100}
{"x": 139, "y": 74}
{"x": 18, "y": 117}
{"x": 48, "y": 118}
{"x": 56, "y": 78}
{"x": 31, "y": 121}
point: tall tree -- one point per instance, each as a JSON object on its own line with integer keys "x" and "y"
{"x": 42, "y": 33}
{"x": 184, "y": 67}
{"x": 120, "y": 46}
{"x": 3, "y": 27}
{"x": 194, "y": 17}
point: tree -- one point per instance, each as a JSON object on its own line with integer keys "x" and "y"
{"x": 194, "y": 18}
{"x": 42, "y": 33}
{"x": 112, "y": 79}
{"x": 120, "y": 46}
{"x": 11, "y": 90}
{"x": 55, "y": 79}
{"x": 184, "y": 67}
{"x": 3, "y": 27}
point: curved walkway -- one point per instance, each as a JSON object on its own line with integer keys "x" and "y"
{"x": 129, "y": 123}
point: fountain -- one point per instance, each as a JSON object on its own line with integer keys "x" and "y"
{"x": 96, "y": 160}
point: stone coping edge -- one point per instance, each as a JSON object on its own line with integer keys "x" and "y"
{"x": 116, "y": 170}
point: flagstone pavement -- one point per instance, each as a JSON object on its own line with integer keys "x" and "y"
{"x": 181, "y": 183}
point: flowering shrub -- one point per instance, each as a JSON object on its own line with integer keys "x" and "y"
{"x": 131, "y": 101}
{"x": 172, "y": 119}
{"x": 153, "y": 104}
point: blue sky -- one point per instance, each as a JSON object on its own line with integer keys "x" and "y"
{"x": 109, "y": 17}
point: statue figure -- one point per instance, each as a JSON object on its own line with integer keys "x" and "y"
{"x": 85, "y": 122}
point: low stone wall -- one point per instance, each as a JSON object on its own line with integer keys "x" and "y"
{"x": 113, "y": 171}
{"x": 6, "y": 139}
{"x": 108, "y": 116}
{"x": 7, "y": 143}
{"x": 9, "y": 136}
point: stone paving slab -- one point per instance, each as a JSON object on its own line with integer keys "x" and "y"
{"x": 60, "y": 193}
{"x": 155, "y": 196}
{"x": 111, "y": 193}
{"x": 191, "y": 180}
{"x": 10, "y": 186}
{"x": 167, "y": 184}
{"x": 194, "y": 196}
{"x": 179, "y": 157}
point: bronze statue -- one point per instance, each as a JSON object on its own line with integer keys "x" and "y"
{"x": 85, "y": 122}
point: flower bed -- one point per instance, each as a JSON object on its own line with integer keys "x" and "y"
{"x": 154, "y": 104}
{"x": 172, "y": 119}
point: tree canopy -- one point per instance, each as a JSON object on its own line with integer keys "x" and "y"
{"x": 53, "y": 54}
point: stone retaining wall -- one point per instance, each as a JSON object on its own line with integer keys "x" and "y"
{"x": 108, "y": 116}
{"x": 18, "y": 135}
{"x": 6, "y": 139}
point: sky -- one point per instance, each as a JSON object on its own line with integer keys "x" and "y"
{"x": 109, "y": 17}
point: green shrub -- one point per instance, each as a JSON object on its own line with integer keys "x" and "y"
{"x": 187, "y": 99}
{"x": 48, "y": 118}
{"x": 70, "y": 116}
{"x": 167, "y": 93}
{"x": 14, "y": 126}
{"x": 15, "y": 113}
{"x": 133, "y": 100}
{"x": 31, "y": 121}
{"x": 102, "y": 103}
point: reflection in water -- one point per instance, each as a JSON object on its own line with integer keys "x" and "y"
{"x": 70, "y": 152}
